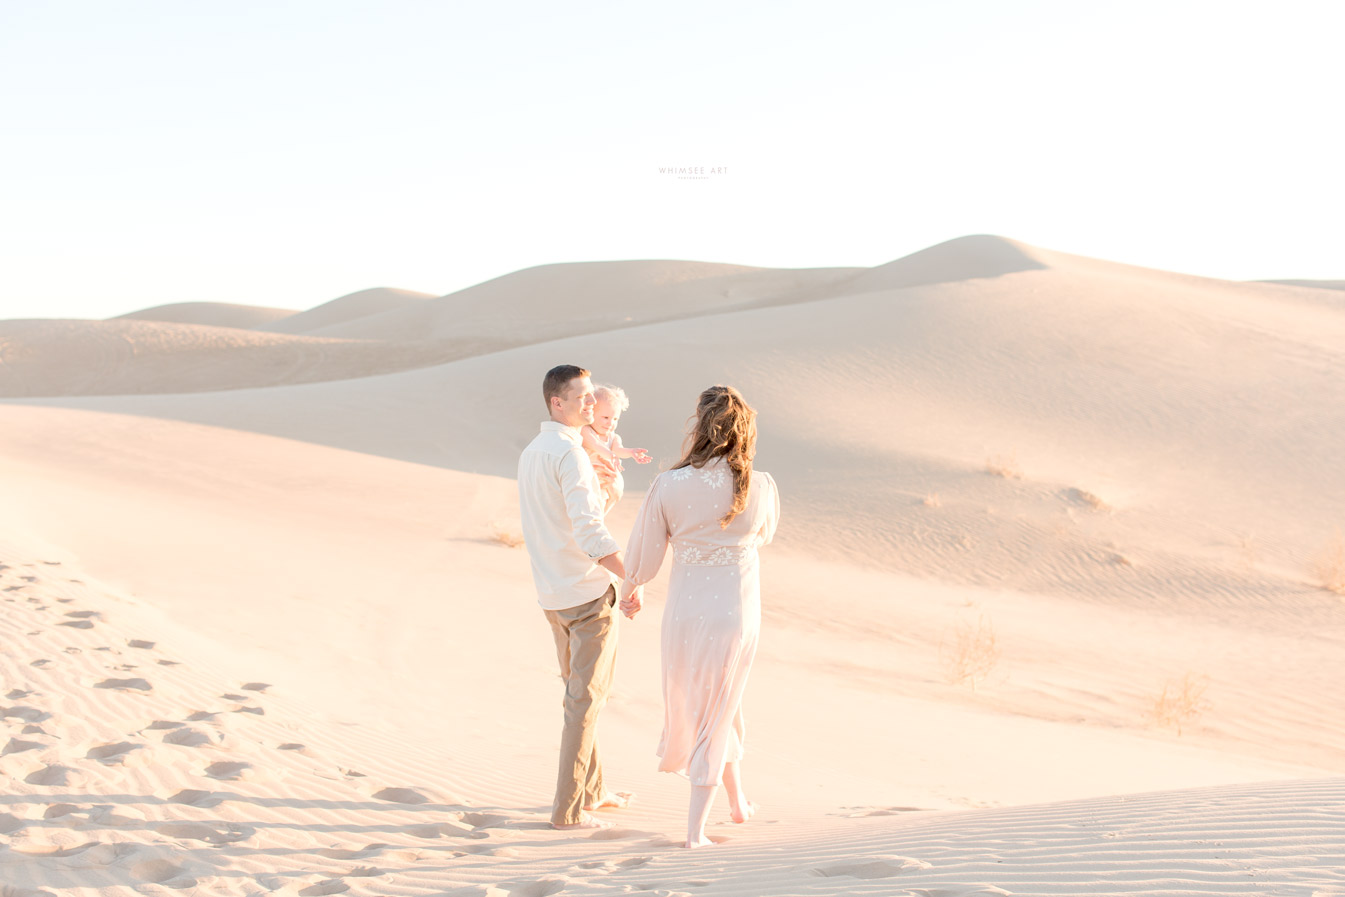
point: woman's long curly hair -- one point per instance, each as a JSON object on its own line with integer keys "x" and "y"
{"x": 725, "y": 426}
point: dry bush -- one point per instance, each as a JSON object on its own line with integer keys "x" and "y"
{"x": 1181, "y": 701}
{"x": 507, "y": 537}
{"x": 1247, "y": 553}
{"x": 1084, "y": 497}
{"x": 1331, "y": 564}
{"x": 970, "y": 651}
{"x": 932, "y": 500}
{"x": 1004, "y": 466}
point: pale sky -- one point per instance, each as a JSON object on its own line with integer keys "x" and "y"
{"x": 287, "y": 152}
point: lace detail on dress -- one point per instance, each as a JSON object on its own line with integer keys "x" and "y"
{"x": 723, "y": 556}
{"x": 681, "y": 473}
{"x": 714, "y": 477}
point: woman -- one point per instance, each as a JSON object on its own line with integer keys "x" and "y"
{"x": 714, "y": 511}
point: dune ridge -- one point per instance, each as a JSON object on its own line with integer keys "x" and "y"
{"x": 352, "y": 306}
{"x": 210, "y": 314}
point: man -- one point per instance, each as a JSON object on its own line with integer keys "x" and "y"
{"x": 574, "y": 558}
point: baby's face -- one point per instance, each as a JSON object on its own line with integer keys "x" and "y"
{"x": 604, "y": 417}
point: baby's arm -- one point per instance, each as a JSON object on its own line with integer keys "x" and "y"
{"x": 603, "y": 464}
{"x": 640, "y": 455}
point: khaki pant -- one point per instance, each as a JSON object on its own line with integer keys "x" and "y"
{"x": 586, "y": 648}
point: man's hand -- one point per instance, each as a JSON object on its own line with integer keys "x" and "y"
{"x": 632, "y": 603}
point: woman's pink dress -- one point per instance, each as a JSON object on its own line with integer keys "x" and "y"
{"x": 713, "y": 615}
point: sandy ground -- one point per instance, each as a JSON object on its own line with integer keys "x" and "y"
{"x": 1046, "y": 614}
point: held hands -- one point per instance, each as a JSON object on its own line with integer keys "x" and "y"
{"x": 633, "y": 602}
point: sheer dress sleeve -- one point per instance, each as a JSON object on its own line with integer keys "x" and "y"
{"x": 649, "y": 539}
{"x": 770, "y": 498}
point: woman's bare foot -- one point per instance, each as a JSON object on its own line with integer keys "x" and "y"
{"x": 612, "y": 800}
{"x": 743, "y": 812}
{"x": 703, "y": 842}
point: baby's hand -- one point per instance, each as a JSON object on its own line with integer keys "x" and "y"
{"x": 641, "y": 456}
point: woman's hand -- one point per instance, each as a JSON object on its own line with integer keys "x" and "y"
{"x": 632, "y": 599}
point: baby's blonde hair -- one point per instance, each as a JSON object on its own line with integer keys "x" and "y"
{"x": 613, "y": 394}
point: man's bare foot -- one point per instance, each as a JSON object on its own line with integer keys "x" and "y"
{"x": 703, "y": 842}
{"x": 743, "y": 813}
{"x": 613, "y": 800}
{"x": 588, "y": 822}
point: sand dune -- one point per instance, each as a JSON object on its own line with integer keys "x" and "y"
{"x": 129, "y": 357}
{"x": 554, "y": 301}
{"x": 210, "y": 314}
{"x": 272, "y": 639}
{"x": 1313, "y": 284}
{"x": 347, "y": 308}
{"x": 1090, "y": 395}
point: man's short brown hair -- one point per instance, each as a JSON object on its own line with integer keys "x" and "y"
{"x": 559, "y": 377}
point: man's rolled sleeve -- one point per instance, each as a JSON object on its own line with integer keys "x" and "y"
{"x": 583, "y": 502}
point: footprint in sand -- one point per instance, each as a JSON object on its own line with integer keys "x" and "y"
{"x": 617, "y": 834}
{"x": 136, "y": 684}
{"x": 84, "y": 614}
{"x": 444, "y": 830}
{"x": 27, "y": 714}
{"x": 480, "y": 821}
{"x": 200, "y": 831}
{"x": 544, "y": 888}
{"x": 201, "y": 716}
{"x": 9, "y": 823}
{"x": 350, "y": 853}
{"x": 610, "y": 866}
{"x": 55, "y": 776}
{"x": 52, "y": 851}
{"x": 163, "y": 872}
{"x": 58, "y": 811}
{"x": 401, "y": 796}
{"x": 77, "y": 624}
{"x": 114, "y": 754}
{"x": 294, "y": 746}
{"x": 194, "y": 798}
{"x": 228, "y": 770}
{"x": 140, "y": 643}
{"x": 15, "y": 694}
{"x": 255, "y": 686}
{"x": 874, "y": 867}
{"x": 186, "y": 736}
{"x": 110, "y": 816}
{"x": 364, "y": 872}
{"x": 16, "y": 746}
{"x": 879, "y": 811}
{"x": 40, "y": 663}
{"x": 330, "y": 886}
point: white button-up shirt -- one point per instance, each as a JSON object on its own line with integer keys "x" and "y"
{"x": 561, "y": 504}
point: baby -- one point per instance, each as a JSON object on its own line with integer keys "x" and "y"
{"x": 604, "y": 445}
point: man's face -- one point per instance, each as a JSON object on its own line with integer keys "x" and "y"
{"x": 575, "y": 407}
